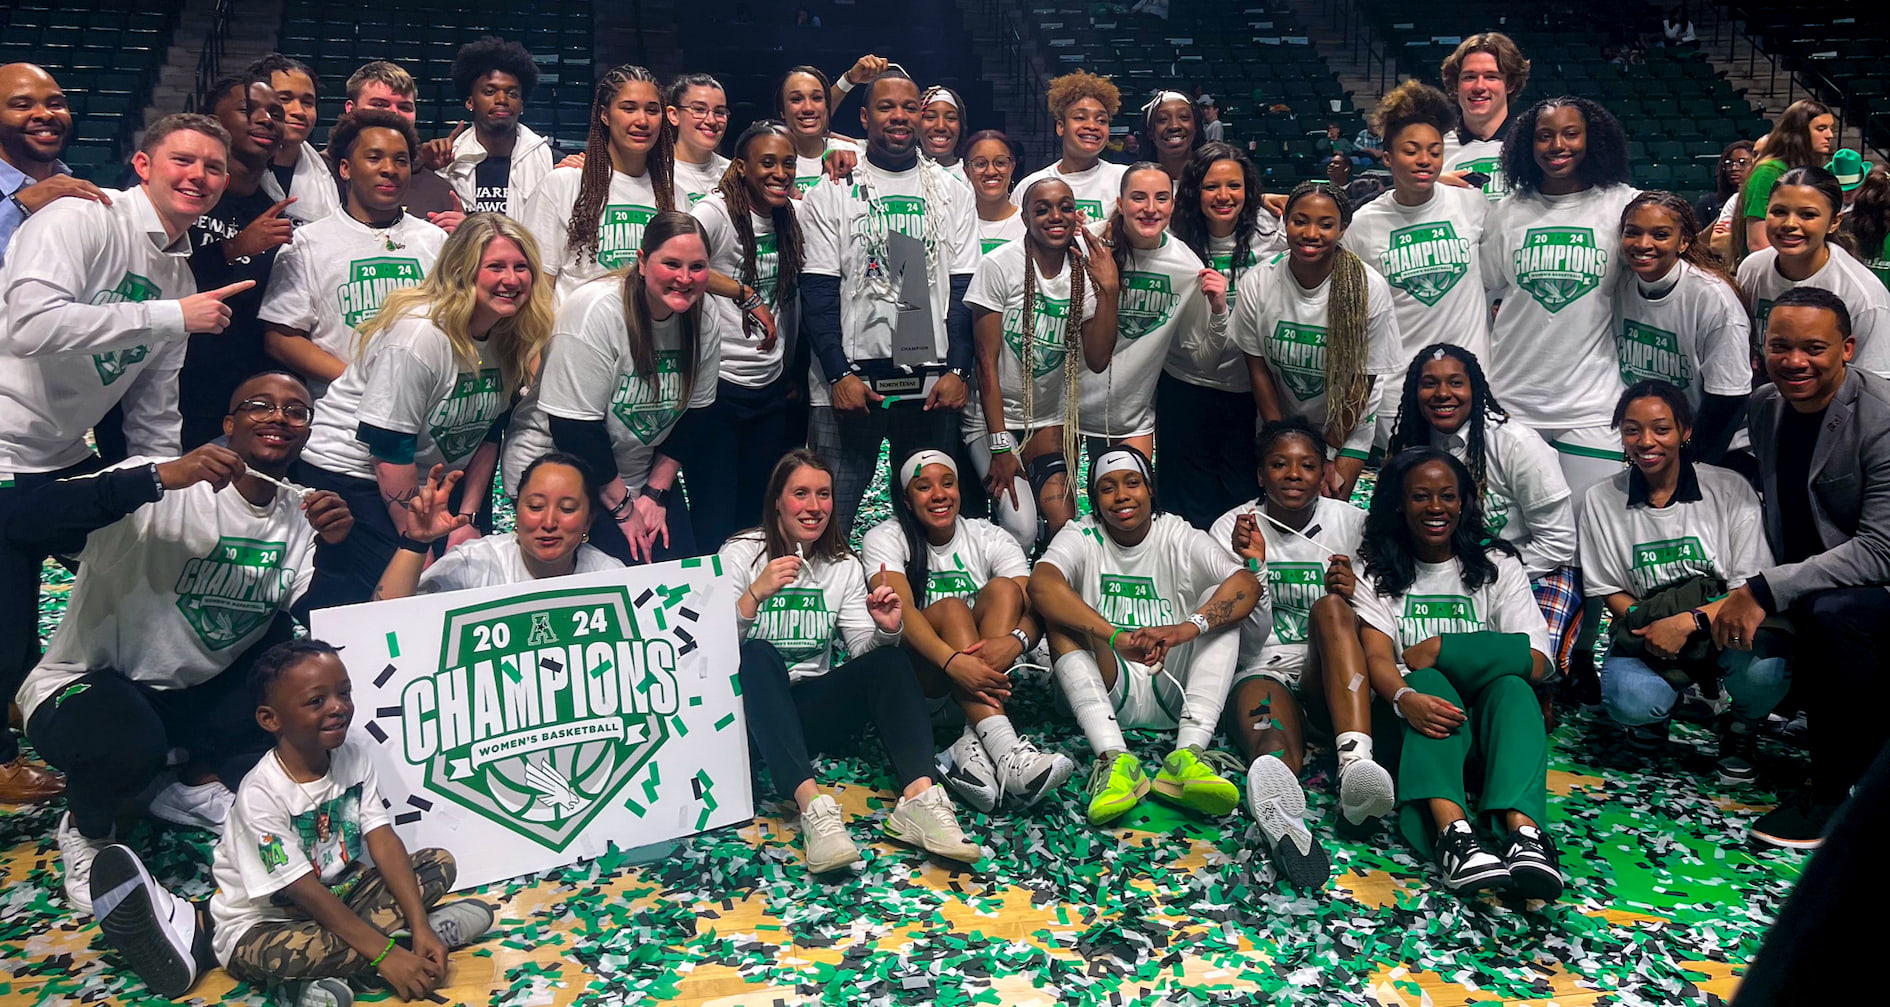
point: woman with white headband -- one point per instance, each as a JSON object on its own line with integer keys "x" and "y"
{"x": 966, "y": 581}
{"x": 1168, "y": 124}
{"x": 1112, "y": 589}
{"x": 941, "y": 124}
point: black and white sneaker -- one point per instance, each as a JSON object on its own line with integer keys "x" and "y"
{"x": 1649, "y": 737}
{"x": 1535, "y": 872}
{"x": 1797, "y": 824}
{"x": 1738, "y": 753}
{"x": 155, "y": 931}
{"x": 1466, "y": 865}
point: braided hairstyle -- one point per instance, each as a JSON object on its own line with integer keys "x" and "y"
{"x": 1348, "y": 387}
{"x": 787, "y": 228}
{"x": 594, "y": 185}
{"x": 1414, "y": 430}
{"x": 1692, "y": 251}
{"x": 1190, "y": 224}
{"x": 1072, "y": 336}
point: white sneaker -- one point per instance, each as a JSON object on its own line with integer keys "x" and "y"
{"x": 76, "y": 854}
{"x": 461, "y": 923}
{"x": 1365, "y": 791}
{"x": 966, "y": 768}
{"x": 927, "y": 821}
{"x": 154, "y": 930}
{"x": 1029, "y": 772}
{"x": 824, "y": 837}
{"x": 203, "y": 806}
{"x": 1277, "y": 803}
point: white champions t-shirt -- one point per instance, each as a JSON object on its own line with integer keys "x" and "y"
{"x": 1850, "y": 280}
{"x": 493, "y": 561}
{"x": 979, "y": 552}
{"x": 334, "y": 276}
{"x": 628, "y": 208}
{"x": 279, "y": 830}
{"x": 998, "y": 286}
{"x": 1156, "y": 582}
{"x": 1641, "y": 549}
{"x": 812, "y": 170}
{"x": 1553, "y": 262}
{"x": 1096, "y": 188}
{"x": 743, "y": 361}
{"x": 1688, "y": 330}
{"x": 1296, "y": 574}
{"x": 408, "y": 380}
{"x": 1438, "y": 602}
{"x": 588, "y": 374}
{"x": 1280, "y": 320}
{"x": 1429, "y": 254}
{"x": 173, "y": 592}
{"x": 1160, "y": 304}
{"x": 1216, "y": 362}
{"x": 694, "y": 182}
{"x": 992, "y": 233}
{"x": 1485, "y": 156}
{"x": 826, "y": 601}
{"x": 1527, "y": 501}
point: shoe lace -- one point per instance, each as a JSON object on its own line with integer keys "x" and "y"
{"x": 933, "y": 804}
{"x": 1099, "y": 774}
{"x": 1220, "y": 762}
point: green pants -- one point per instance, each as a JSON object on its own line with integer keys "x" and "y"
{"x": 1504, "y": 722}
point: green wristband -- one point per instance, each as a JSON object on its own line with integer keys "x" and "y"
{"x": 1112, "y": 639}
{"x": 376, "y": 963}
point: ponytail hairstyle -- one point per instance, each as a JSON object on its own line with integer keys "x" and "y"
{"x": 1348, "y": 387}
{"x": 1868, "y": 223}
{"x": 1072, "y": 335}
{"x": 1414, "y": 430}
{"x": 787, "y": 228}
{"x": 639, "y": 327}
{"x": 1122, "y": 252}
{"x": 1604, "y": 163}
{"x": 1385, "y": 547}
{"x": 918, "y": 547}
{"x": 780, "y": 93}
{"x": 1692, "y": 251}
{"x": 1190, "y": 224}
{"x": 594, "y": 184}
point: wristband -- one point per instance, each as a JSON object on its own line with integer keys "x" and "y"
{"x": 749, "y": 301}
{"x": 1022, "y": 638}
{"x": 1397, "y": 696}
{"x": 157, "y": 479}
{"x": 414, "y": 545}
{"x": 1200, "y": 622}
{"x": 843, "y": 85}
{"x": 660, "y": 496}
{"x": 622, "y": 510}
{"x": 1000, "y": 443}
{"x": 1112, "y": 639}
{"x": 15, "y": 200}
{"x": 376, "y": 963}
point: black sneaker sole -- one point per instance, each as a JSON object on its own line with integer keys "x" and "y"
{"x": 1531, "y": 881}
{"x": 133, "y": 930}
{"x": 1309, "y": 871}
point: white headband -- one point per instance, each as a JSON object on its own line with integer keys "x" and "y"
{"x": 1162, "y": 97}
{"x": 920, "y": 459}
{"x": 1116, "y": 461}
{"x": 938, "y": 92}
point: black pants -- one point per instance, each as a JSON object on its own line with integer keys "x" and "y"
{"x": 1844, "y": 640}
{"x": 850, "y": 443}
{"x": 347, "y": 572}
{"x": 605, "y": 534}
{"x": 787, "y": 720}
{"x": 110, "y": 735}
{"x": 1204, "y": 451}
{"x": 19, "y": 590}
{"x": 727, "y": 451}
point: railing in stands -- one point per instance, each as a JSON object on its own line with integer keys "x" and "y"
{"x": 1015, "y": 63}
{"x": 1378, "y": 58}
{"x": 1733, "y": 26}
{"x": 210, "y": 63}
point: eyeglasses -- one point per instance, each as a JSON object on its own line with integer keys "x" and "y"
{"x": 1735, "y": 160}
{"x": 702, "y": 111}
{"x": 1000, "y": 163}
{"x": 294, "y": 414}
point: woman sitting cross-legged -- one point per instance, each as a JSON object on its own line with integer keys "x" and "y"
{"x": 801, "y": 591}
{"x": 966, "y": 581}
{"x": 1661, "y": 544}
{"x": 1111, "y": 590}
{"x": 1453, "y": 638}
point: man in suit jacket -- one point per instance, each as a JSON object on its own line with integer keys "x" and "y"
{"x": 1821, "y": 431}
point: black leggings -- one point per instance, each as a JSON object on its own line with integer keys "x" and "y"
{"x": 787, "y": 720}
{"x": 1204, "y": 450}
{"x": 19, "y": 588}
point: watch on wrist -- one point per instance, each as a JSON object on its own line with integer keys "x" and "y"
{"x": 1000, "y": 442}
{"x": 1701, "y": 622}
{"x": 961, "y": 373}
{"x": 15, "y": 200}
{"x": 660, "y": 496}
{"x": 1200, "y": 622}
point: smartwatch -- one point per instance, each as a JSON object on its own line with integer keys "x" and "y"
{"x": 1000, "y": 442}
{"x": 660, "y": 496}
{"x": 1702, "y": 623}
{"x": 962, "y": 373}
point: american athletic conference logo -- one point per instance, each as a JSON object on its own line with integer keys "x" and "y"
{"x": 544, "y": 706}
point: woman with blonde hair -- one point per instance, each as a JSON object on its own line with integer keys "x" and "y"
{"x": 431, "y": 383}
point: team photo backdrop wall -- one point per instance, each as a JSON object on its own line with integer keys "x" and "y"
{"x": 526, "y": 727}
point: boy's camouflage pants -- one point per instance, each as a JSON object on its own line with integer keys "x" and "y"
{"x": 275, "y": 952}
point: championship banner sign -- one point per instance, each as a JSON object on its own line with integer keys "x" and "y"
{"x": 526, "y": 727}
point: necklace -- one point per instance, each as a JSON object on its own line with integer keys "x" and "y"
{"x": 299, "y": 785}
{"x": 387, "y": 238}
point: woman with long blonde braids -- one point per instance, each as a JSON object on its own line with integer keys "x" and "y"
{"x": 1036, "y": 306}
{"x": 431, "y": 384}
{"x": 1319, "y": 330}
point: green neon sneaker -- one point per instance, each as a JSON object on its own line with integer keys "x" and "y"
{"x": 1192, "y": 778}
{"x": 1116, "y": 784}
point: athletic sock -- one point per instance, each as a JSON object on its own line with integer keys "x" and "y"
{"x": 996, "y": 734}
{"x": 1354, "y": 746}
{"x": 1082, "y": 685}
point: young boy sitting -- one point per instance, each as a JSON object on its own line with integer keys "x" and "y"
{"x": 311, "y": 878}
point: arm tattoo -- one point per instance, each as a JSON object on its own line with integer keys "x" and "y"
{"x": 1220, "y": 613}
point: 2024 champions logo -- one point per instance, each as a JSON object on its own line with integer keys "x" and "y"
{"x": 543, "y": 707}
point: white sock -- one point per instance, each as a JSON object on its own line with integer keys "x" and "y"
{"x": 1082, "y": 684}
{"x": 1353, "y": 747}
{"x": 996, "y": 734}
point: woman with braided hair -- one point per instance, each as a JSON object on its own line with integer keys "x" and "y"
{"x": 1037, "y": 305}
{"x": 1447, "y": 404}
{"x": 1318, "y": 329}
{"x": 590, "y": 220}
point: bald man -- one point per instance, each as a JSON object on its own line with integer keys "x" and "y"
{"x": 35, "y": 123}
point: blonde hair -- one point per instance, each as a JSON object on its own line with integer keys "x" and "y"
{"x": 397, "y": 80}
{"x": 1071, "y": 88}
{"x": 446, "y": 297}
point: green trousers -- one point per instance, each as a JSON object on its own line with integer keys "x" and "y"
{"x": 1503, "y": 721}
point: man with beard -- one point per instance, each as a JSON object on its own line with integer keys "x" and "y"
{"x": 495, "y": 167}
{"x": 35, "y": 123}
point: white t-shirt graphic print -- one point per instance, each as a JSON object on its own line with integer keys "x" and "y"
{"x": 334, "y": 277}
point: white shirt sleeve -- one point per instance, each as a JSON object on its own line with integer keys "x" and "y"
{"x": 288, "y": 301}
{"x": 1379, "y": 613}
{"x": 1745, "y": 534}
{"x": 966, "y": 252}
{"x": 1384, "y": 344}
{"x": 1604, "y": 564}
{"x": 1069, "y": 552}
{"x": 263, "y": 842}
{"x": 1358, "y": 444}
{"x": 152, "y": 423}
{"x": 1542, "y": 494}
{"x": 49, "y": 268}
{"x": 855, "y": 623}
{"x": 401, "y": 388}
{"x": 547, "y": 217}
{"x": 1244, "y": 327}
{"x": 1001, "y": 551}
{"x": 1209, "y": 565}
{"x": 451, "y": 572}
{"x": 1725, "y": 344}
{"x": 989, "y": 288}
{"x": 885, "y": 543}
{"x": 820, "y": 234}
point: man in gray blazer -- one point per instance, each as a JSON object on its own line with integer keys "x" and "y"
{"x": 1821, "y": 431}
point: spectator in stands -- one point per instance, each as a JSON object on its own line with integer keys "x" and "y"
{"x": 1082, "y": 104}
{"x": 1735, "y": 162}
{"x": 1805, "y": 136}
{"x": 695, "y": 119}
{"x": 1484, "y": 72}
{"x": 1661, "y": 542}
{"x": 330, "y": 281}
{"x": 297, "y": 168}
{"x": 1818, "y": 432}
{"x": 98, "y": 302}
{"x": 188, "y": 568}
{"x": 1368, "y": 147}
{"x": 990, "y": 161}
{"x": 1867, "y": 224}
{"x": 1676, "y": 27}
{"x": 941, "y": 124}
{"x": 1333, "y": 144}
{"x": 497, "y": 166}
{"x": 35, "y": 123}
{"x": 1848, "y": 167}
{"x": 1169, "y": 121}
{"x": 1800, "y": 221}
{"x": 386, "y": 87}
{"x": 1212, "y": 129}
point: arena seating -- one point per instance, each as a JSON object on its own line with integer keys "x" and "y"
{"x": 1841, "y": 50}
{"x": 105, "y": 56}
